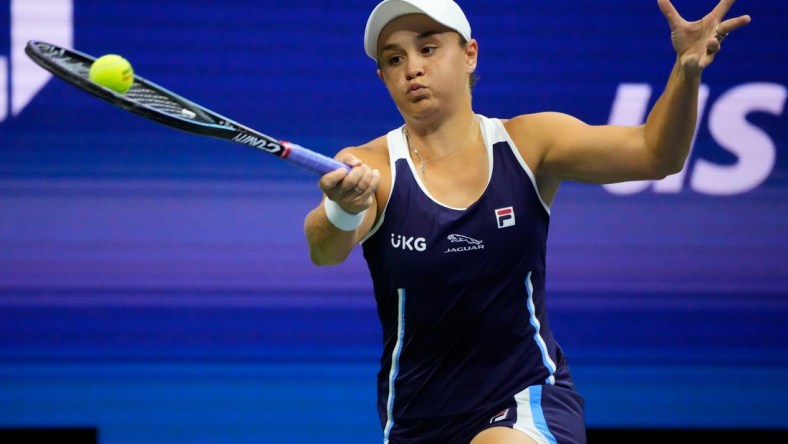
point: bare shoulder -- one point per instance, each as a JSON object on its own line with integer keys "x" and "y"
{"x": 374, "y": 153}
{"x": 535, "y": 136}
{"x": 530, "y": 133}
{"x": 540, "y": 124}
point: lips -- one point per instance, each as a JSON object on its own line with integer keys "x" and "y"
{"x": 417, "y": 92}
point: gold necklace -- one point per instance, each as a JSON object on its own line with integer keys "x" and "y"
{"x": 422, "y": 161}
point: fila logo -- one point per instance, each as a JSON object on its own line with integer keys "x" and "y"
{"x": 505, "y": 217}
{"x": 500, "y": 416}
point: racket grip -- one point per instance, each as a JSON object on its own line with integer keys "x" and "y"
{"x": 311, "y": 160}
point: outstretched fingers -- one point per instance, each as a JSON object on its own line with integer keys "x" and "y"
{"x": 727, "y": 26}
{"x": 697, "y": 42}
{"x": 669, "y": 11}
{"x": 722, "y": 8}
{"x": 724, "y": 27}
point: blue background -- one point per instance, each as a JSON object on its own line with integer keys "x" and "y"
{"x": 156, "y": 285}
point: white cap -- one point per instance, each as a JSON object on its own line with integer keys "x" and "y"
{"x": 445, "y": 12}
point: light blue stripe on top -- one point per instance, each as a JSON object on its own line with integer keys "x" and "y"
{"x": 395, "y": 364}
{"x": 546, "y": 359}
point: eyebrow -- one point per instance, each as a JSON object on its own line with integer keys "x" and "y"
{"x": 421, "y": 36}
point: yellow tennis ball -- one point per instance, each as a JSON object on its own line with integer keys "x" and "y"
{"x": 112, "y": 71}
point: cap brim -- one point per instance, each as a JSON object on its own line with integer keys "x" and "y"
{"x": 384, "y": 13}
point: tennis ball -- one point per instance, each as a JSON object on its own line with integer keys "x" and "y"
{"x": 112, "y": 71}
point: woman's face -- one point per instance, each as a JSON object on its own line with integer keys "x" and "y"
{"x": 423, "y": 63}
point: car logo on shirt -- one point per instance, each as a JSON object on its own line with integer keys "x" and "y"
{"x": 467, "y": 243}
{"x": 461, "y": 238}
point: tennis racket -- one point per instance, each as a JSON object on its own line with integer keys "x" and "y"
{"x": 153, "y": 102}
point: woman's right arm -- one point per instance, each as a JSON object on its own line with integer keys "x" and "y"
{"x": 346, "y": 213}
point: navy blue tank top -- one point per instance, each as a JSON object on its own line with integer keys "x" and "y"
{"x": 460, "y": 291}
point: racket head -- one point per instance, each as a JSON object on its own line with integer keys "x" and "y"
{"x": 156, "y": 103}
{"x": 144, "y": 98}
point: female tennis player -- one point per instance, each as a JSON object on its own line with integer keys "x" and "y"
{"x": 452, "y": 211}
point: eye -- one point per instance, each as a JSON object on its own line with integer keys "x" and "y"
{"x": 390, "y": 58}
{"x": 394, "y": 60}
{"x": 427, "y": 50}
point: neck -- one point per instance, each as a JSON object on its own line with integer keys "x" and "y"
{"x": 449, "y": 139}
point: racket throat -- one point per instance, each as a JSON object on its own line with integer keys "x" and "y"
{"x": 271, "y": 146}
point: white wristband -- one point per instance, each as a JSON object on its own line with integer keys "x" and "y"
{"x": 340, "y": 218}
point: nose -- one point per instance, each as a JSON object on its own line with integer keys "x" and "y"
{"x": 415, "y": 68}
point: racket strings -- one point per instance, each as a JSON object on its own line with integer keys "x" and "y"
{"x": 140, "y": 92}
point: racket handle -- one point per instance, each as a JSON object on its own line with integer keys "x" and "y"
{"x": 310, "y": 160}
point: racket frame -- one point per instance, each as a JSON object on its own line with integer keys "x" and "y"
{"x": 192, "y": 118}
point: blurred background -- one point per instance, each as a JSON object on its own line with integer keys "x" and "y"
{"x": 155, "y": 286}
